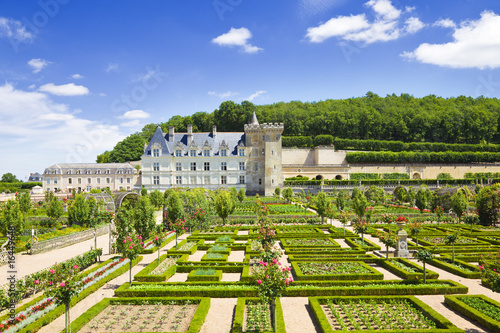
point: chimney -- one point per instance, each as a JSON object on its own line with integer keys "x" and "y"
{"x": 171, "y": 133}
{"x": 214, "y": 131}
{"x": 189, "y": 134}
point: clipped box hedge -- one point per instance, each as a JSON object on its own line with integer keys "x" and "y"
{"x": 374, "y": 275}
{"x": 445, "y": 265}
{"x": 371, "y": 247}
{"x": 155, "y": 248}
{"x": 194, "y": 275}
{"x": 239, "y": 315}
{"x": 387, "y": 264}
{"x": 195, "y": 326}
{"x": 145, "y": 276}
{"x": 456, "y": 303}
{"x": 223, "y": 258}
{"x": 227, "y": 267}
{"x": 443, "y": 324}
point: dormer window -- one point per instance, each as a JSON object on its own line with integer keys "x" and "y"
{"x": 223, "y": 153}
{"x": 178, "y": 153}
{"x": 78, "y": 172}
{"x": 88, "y": 171}
{"x": 69, "y": 172}
{"x": 98, "y": 172}
{"x": 206, "y": 153}
{"x": 107, "y": 172}
{"x": 192, "y": 153}
{"x": 241, "y": 152}
{"x": 54, "y": 172}
{"x": 156, "y": 152}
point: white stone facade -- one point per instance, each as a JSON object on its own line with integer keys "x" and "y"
{"x": 84, "y": 177}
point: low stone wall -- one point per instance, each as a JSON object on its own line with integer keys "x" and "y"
{"x": 67, "y": 240}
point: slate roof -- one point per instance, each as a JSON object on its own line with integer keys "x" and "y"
{"x": 63, "y": 167}
{"x": 232, "y": 140}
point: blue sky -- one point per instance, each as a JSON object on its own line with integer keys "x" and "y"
{"x": 78, "y": 76}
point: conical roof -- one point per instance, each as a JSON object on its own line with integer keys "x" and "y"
{"x": 254, "y": 120}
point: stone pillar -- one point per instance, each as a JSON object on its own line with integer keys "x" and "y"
{"x": 402, "y": 244}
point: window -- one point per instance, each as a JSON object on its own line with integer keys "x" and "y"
{"x": 242, "y": 179}
{"x": 69, "y": 172}
{"x": 121, "y": 180}
{"x": 98, "y": 180}
{"x": 242, "y": 166}
{"x": 178, "y": 180}
{"x": 241, "y": 152}
{"x": 178, "y": 153}
{"x": 260, "y": 181}
{"x": 98, "y": 172}
{"x": 108, "y": 180}
{"x": 206, "y": 153}
{"x": 193, "y": 166}
{"x": 223, "y": 153}
{"x": 119, "y": 171}
{"x": 206, "y": 166}
{"x": 55, "y": 181}
{"x": 107, "y": 172}
{"x": 223, "y": 180}
{"x": 78, "y": 172}
{"x": 128, "y": 180}
{"x": 263, "y": 151}
{"x": 79, "y": 180}
{"x": 70, "y": 181}
{"x": 178, "y": 167}
{"x": 89, "y": 180}
{"x": 192, "y": 153}
{"x": 275, "y": 166}
{"x": 156, "y": 152}
{"x": 156, "y": 166}
{"x": 223, "y": 166}
{"x": 256, "y": 167}
{"x": 156, "y": 180}
{"x": 48, "y": 180}
{"x": 192, "y": 180}
{"x": 88, "y": 172}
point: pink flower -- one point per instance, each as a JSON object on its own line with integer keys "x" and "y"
{"x": 286, "y": 281}
{"x": 124, "y": 240}
{"x": 156, "y": 238}
{"x": 37, "y": 281}
{"x": 50, "y": 283}
{"x": 133, "y": 244}
{"x": 259, "y": 281}
{"x": 267, "y": 276}
{"x": 62, "y": 284}
{"x": 52, "y": 271}
{"x": 275, "y": 261}
{"x": 75, "y": 267}
{"x": 131, "y": 247}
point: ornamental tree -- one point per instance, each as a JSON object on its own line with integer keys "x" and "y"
{"x": 341, "y": 200}
{"x": 488, "y": 205}
{"x": 178, "y": 226}
{"x": 157, "y": 242}
{"x": 64, "y": 290}
{"x": 452, "y": 239}
{"x": 25, "y": 203}
{"x": 132, "y": 246}
{"x": 389, "y": 241}
{"x": 359, "y": 204}
{"x": 11, "y": 218}
{"x": 78, "y": 211}
{"x": 459, "y": 204}
{"x": 224, "y": 204}
{"x": 241, "y": 194}
{"x": 415, "y": 228}
{"x": 322, "y": 205}
{"x": 424, "y": 256}
{"x": 54, "y": 209}
{"x": 157, "y": 199}
{"x": 439, "y": 211}
{"x": 360, "y": 227}
{"x": 422, "y": 198}
{"x": 175, "y": 207}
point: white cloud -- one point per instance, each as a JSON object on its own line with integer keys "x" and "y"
{"x": 36, "y": 132}
{"x": 476, "y": 44}
{"x": 311, "y": 7}
{"x": 335, "y": 27}
{"x": 135, "y": 114}
{"x": 384, "y": 9}
{"x": 112, "y": 67}
{"x": 413, "y": 24}
{"x": 445, "y": 23}
{"x": 388, "y": 25}
{"x": 69, "y": 89}
{"x": 13, "y": 29}
{"x": 38, "y": 64}
{"x": 237, "y": 37}
{"x": 77, "y": 76}
{"x": 223, "y": 95}
{"x": 255, "y": 95}
{"x": 132, "y": 123}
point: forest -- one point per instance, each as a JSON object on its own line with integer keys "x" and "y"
{"x": 404, "y": 118}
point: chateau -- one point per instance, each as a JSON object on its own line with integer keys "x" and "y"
{"x": 250, "y": 160}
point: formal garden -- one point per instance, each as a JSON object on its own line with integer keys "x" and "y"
{"x": 339, "y": 251}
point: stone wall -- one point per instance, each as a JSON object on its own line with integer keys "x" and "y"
{"x": 67, "y": 240}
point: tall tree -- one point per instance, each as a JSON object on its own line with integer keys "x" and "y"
{"x": 144, "y": 217}
{"x": 78, "y": 211}
{"x": 175, "y": 207}
{"x": 25, "y": 203}
{"x": 129, "y": 149}
{"x": 224, "y": 204}
{"x": 322, "y": 204}
{"x": 459, "y": 204}
{"x": 11, "y": 219}
{"x": 9, "y": 178}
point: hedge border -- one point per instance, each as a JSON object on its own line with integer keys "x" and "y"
{"x": 458, "y": 305}
{"x": 375, "y": 275}
{"x": 444, "y": 325}
{"x": 195, "y": 325}
{"x": 144, "y": 276}
{"x": 192, "y": 276}
{"x": 155, "y": 248}
{"x": 54, "y": 314}
{"x": 372, "y": 247}
{"x": 405, "y": 274}
{"x": 438, "y": 262}
{"x": 239, "y": 315}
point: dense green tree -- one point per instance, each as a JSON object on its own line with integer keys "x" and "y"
{"x": 104, "y": 157}
{"x": 25, "y": 203}
{"x": 322, "y": 204}
{"x": 9, "y": 178}
{"x": 287, "y": 193}
{"x": 54, "y": 209}
{"x": 175, "y": 207}
{"x": 11, "y": 218}
{"x": 124, "y": 221}
{"x": 144, "y": 217}
{"x": 375, "y": 194}
{"x": 341, "y": 200}
{"x": 459, "y": 204}
{"x": 224, "y": 204}
{"x": 78, "y": 211}
{"x": 422, "y": 198}
{"x": 129, "y": 149}
{"x": 488, "y": 204}
{"x": 359, "y": 204}
{"x": 157, "y": 198}
{"x": 241, "y": 195}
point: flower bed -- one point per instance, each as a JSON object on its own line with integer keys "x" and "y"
{"x": 461, "y": 241}
{"x": 214, "y": 257}
{"x": 478, "y": 308}
{"x": 390, "y": 314}
{"x": 407, "y": 270}
{"x": 460, "y": 268}
{"x": 144, "y": 314}
{"x": 252, "y": 316}
{"x": 298, "y": 242}
{"x": 166, "y": 237}
{"x": 185, "y": 247}
{"x": 345, "y": 270}
{"x": 205, "y": 274}
{"x": 363, "y": 244}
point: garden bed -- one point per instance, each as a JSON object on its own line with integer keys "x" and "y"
{"x": 478, "y": 308}
{"x": 327, "y": 270}
{"x": 253, "y": 316}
